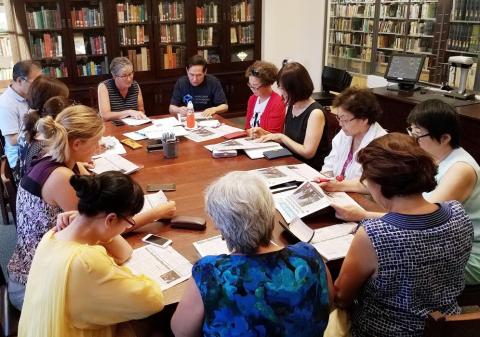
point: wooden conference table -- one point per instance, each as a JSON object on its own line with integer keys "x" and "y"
{"x": 192, "y": 171}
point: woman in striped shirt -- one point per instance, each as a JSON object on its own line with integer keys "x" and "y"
{"x": 120, "y": 96}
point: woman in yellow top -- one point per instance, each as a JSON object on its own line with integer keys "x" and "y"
{"x": 80, "y": 289}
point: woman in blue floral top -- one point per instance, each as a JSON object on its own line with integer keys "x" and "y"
{"x": 260, "y": 289}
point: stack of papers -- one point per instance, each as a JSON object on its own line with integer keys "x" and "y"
{"x": 165, "y": 266}
{"x": 157, "y": 131}
{"x": 114, "y": 162}
{"x": 135, "y": 122}
{"x": 153, "y": 200}
{"x": 211, "y": 246}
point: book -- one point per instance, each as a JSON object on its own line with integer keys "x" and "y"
{"x": 114, "y": 162}
{"x": 332, "y": 242}
{"x": 79, "y": 44}
{"x": 211, "y": 246}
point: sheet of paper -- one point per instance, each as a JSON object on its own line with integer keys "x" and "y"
{"x": 336, "y": 248}
{"x": 111, "y": 145}
{"x": 114, "y": 162}
{"x": 258, "y": 153}
{"x": 301, "y": 230}
{"x": 157, "y": 132}
{"x": 165, "y": 266}
{"x": 153, "y": 200}
{"x": 135, "y": 122}
{"x": 166, "y": 122}
{"x": 334, "y": 231}
{"x": 135, "y": 135}
{"x": 211, "y": 246}
{"x": 202, "y": 134}
{"x": 211, "y": 123}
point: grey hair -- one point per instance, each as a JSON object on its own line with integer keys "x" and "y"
{"x": 118, "y": 64}
{"x": 242, "y": 208}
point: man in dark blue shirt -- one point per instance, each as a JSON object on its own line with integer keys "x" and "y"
{"x": 205, "y": 91}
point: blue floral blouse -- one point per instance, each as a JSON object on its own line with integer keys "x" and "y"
{"x": 282, "y": 293}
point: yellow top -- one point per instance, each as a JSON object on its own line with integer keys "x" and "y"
{"x": 77, "y": 290}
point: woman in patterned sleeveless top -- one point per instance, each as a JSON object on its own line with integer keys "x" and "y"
{"x": 120, "y": 96}
{"x": 410, "y": 261}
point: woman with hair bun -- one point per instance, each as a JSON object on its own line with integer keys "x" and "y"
{"x": 88, "y": 293}
{"x": 71, "y": 139}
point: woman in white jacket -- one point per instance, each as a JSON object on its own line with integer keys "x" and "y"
{"x": 357, "y": 111}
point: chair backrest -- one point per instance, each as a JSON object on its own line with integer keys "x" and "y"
{"x": 9, "y": 316}
{"x": 93, "y": 93}
{"x": 334, "y": 79}
{"x": 9, "y": 185}
{"x": 462, "y": 325}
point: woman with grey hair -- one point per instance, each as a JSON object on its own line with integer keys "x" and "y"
{"x": 260, "y": 289}
{"x": 120, "y": 96}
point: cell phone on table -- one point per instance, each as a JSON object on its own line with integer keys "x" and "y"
{"x": 161, "y": 187}
{"x": 118, "y": 122}
{"x": 157, "y": 240}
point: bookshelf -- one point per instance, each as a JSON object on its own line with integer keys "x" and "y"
{"x": 75, "y": 40}
{"x": 8, "y": 45}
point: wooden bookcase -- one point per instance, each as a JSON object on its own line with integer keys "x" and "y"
{"x": 9, "y": 52}
{"x": 363, "y": 34}
{"x": 75, "y": 40}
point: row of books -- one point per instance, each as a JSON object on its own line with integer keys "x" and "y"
{"x": 58, "y": 71}
{"x": 128, "y": 12}
{"x": 394, "y": 10}
{"x": 44, "y": 18}
{"x": 390, "y": 26}
{"x": 171, "y": 10}
{"x": 209, "y": 55}
{"x": 466, "y": 10}
{"x": 173, "y": 57}
{"x": 139, "y": 58}
{"x": 90, "y": 45}
{"x": 423, "y": 11}
{"x": 208, "y": 13}
{"x": 415, "y": 44}
{"x": 243, "y": 11}
{"x": 205, "y": 36}
{"x": 132, "y": 35}
{"x": 6, "y": 73}
{"x": 351, "y": 38}
{"x": 172, "y": 33}
{"x": 464, "y": 37}
{"x": 352, "y": 52}
{"x": 92, "y": 69}
{"x": 367, "y": 10}
{"x": 242, "y": 34}
{"x": 391, "y": 41}
{"x": 49, "y": 45}
{"x": 5, "y": 46}
{"x": 422, "y": 28}
{"x": 87, "y": 17}
{"x": 356, "y": 24}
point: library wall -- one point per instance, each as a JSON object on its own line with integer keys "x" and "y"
{"x": 294, "y": 29}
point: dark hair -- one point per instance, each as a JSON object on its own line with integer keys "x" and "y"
{"x": 295, "y": 80}
{"x": 361, "y": 103}
{"x": 108, "y": 192}
{"x": 438, "y": 118}
{"x": 399, "y": 165}
{"x": 23, "y": 68}
{"x": 266, "y": 72}
{"x": 197, "y": 60}
{"x": 41, "y": 90}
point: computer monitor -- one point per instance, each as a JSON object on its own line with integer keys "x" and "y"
{"x": 405, "y": 70}
{"x": 334, "y": 79}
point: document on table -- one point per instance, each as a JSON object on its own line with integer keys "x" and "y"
{"x": 167, "y": 122}
{"x": 114, "y": 162}
{"x": 157, "y": 132}
{"x": 134, "y": 122}
{"x": 111, "y": 145}
{"x": 203, "y": 134}
{"x": 335, "y": 248}
{"x": 153, "y": 200}
{"x": 165, "y": 266}
{"x": 211, "y": 246}
{"x": 258, "y": 153}
{"x": 135, "y": 135}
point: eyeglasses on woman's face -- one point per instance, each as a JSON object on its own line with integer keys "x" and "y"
{"x": 415, "y": 133}
{"x": 125, "y": 76}
{"x": 131, "y": 222}
{"x": 255, "y": 88}
{"x": 344, "y": 121}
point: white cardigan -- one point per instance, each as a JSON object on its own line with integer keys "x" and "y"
{"x": 341, "y": 144}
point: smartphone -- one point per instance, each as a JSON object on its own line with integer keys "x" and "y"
{"x": 161, "y": 187}
{"x": 157, "y": 240}
{"x": 118, "y": 122}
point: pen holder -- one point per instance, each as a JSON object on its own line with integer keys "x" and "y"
{"x": 170, "y": 149}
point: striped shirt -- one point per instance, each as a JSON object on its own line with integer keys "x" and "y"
{"x": 117, "y": 101}
{"x": 421, "y": 261}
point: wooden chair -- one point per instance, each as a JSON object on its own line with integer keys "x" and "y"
{"x": 9, "y": 186}
{"x": 466, "y": 324}
{"x": 9, "y": 316}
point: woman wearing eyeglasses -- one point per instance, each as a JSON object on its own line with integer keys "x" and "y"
{"x": 120, "y": 96}
{"x": 265, "y": 109}
{"x": 84, "y": 292}
{"x": 44, "y": 192}
{"x": 357, "y": 112}
{"x": 305, "y": 132}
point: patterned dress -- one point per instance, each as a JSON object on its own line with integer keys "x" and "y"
{"x": 421, "y": 261}
{"x": 282, "y": 293}
{"x": 35, "y": 217}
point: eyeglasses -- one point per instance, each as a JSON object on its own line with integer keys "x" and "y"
{"x": 131, "y": 222}
{"x": 344, "y": 121}
{"x": 254, "y": 88}
{"x": 125, "y": 76}
{"x": 255, "y": 72}
{"x": 413, "y": 134}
